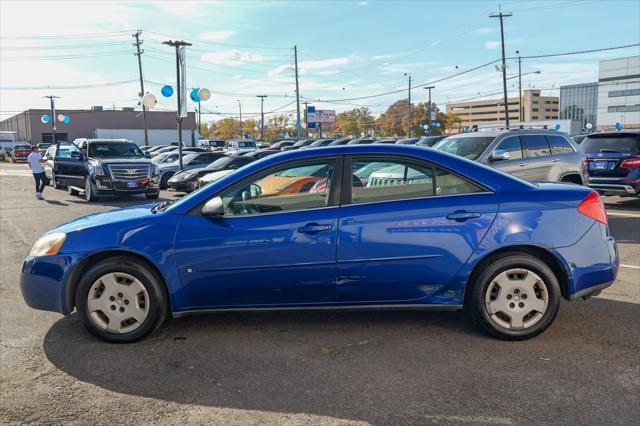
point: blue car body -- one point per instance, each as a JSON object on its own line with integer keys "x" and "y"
{"x": 412, "y": 252}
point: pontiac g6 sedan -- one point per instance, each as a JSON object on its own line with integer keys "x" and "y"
{"x": 432, "y": 230}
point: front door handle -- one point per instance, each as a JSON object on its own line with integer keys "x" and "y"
{"x": 314, "y": 228}
{"x": 462, "y": 215}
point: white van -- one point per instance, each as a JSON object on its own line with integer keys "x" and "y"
{"x": 241, "y": 146}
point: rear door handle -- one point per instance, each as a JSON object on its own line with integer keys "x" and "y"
{"x": 314, "y": 228}
{"x": 462, "y": 215}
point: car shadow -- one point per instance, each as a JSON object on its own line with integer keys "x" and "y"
{"x": 624, "y": 229}
{"x": 380, "y": 366}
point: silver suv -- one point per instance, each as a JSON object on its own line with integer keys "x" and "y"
{"x": 531, "y": 154}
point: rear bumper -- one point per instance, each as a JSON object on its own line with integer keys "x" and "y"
{"x": 616, "y": 189}
{"x": 592, "y": 262}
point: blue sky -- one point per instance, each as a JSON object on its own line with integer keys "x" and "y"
{"x": 347, "y": 49}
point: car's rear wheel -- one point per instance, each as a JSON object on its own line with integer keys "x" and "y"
{"x": 121, "y": 300}
{"x": 516, "y": 296}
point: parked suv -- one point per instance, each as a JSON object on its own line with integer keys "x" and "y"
{"x": 20, "y": 152}
{"x": 613, "y": 160}
{"x": 104, "y": 167}
{"x": 531, "y": 154}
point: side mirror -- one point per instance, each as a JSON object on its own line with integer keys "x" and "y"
{"x": 147, "y": 155}
{"x": 500, "y": 155}
{"x": 213, "y": 208}
{"x": 76, "y": 154}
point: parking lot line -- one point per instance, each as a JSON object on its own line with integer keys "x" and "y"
{"x": 610, "y": 213}
{"x": 629, "y": 266}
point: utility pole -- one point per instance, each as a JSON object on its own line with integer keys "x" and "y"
{"x": 295, "y": 58}
{"x": 144, "y": 109}
{"x": 429, "y": 110}
{"x": 504, "y": 64}
{"x": 306, "y": 119}
{"x": 178, "y": 44}
{"x": 52, "y": 105}
{"x": 240, "y": 109}
{"x": 520, "y": 106}
{"x": 409, "y": 124}
{"x": 261, "y": 115}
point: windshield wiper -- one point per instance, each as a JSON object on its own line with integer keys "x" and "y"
{"x": 161, "y": 206}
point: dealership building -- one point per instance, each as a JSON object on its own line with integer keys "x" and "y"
{"x": 619, "y": 93}
{"x": 99, "y": 123}
{"x": 580, "y": 102}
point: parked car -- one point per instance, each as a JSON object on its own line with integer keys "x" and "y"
{"x": 613, "y": 161}
{"x": 20, "y": 152}
{"x": 430, "y": 140}
{"x": 339, "y": 142}
{"x": 503, "y": 249}
{"x": 42, "y": 147}
{"x": 238, "y": 147}
{"x": 361, "y": 141}
{"x": 171, "y": 148}
{"x": 152, "y": 149}
{"x": 212, "y": 177}
{"x": 300, "y": 144}
{"x": 103, "y": 167}
{"x": 281, "y": 144}
{"x": 261, "y": 153}
{"x": 578, "y": 138}
{"x": 531, "y": 154}
{"x": 187, "y": 181}
{"x": 213, "y": 144}
{"x": 408, "y": 141}
{"x": 194, "y": 160}
{"x": 319, "y": 143}
{"x": 385, "y": 141}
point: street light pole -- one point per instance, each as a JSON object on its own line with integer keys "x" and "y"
{"x": 240, "y": 109}
{"x": 52, "y": 106}
{"x": 144, "y": 108}
{"x": 178, "y": 44}
{"x": 261, "y": 115}
{"x": 409, "y": 123}
{"x": 520, "y": 106}
{"x": 429, "y": 106}
{"x": 504, "y": 65}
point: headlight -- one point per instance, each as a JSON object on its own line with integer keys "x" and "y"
{"x": 188, "y": 175}
{"x": 155, "y": 170}
{"x": 48, "y": 245}
{"x": 97, "y": 170}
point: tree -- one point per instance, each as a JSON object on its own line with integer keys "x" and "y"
{"x": 354, "y": 122}
{"x": 227, "y": 128}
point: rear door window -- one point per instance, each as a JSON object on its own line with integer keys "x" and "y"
{"x": 559, "y": 145}
{"x": 536, "y": 146}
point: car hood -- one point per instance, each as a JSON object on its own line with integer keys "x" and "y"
{"x": 122, "y": 160}
{"x": 210, "y": 177}
{"x": 106, "y": 218}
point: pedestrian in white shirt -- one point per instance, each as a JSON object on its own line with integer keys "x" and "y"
{"x": 35, "y": 164}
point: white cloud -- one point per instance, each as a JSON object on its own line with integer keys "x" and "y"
{"x": 310, "y": 65}
{"x": 216, "y": 35}
{"x": 231, "y": 57}
{"x": 378, "y": 57}
{"x": 492, "y": 45}
{"x": 363, "y": 3}
{"x": 486, "y": 30}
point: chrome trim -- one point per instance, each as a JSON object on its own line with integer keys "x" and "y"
{"x": 418, "y": 198}
{"x": 624, "y": 189}
{"x": 127, "y": 172}
{"x": 380, "y": 307}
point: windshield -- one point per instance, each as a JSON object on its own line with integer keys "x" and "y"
{"x": 187, "y": 158}
{"x": 467, "y": 147}
{"x": 114, "y": 150}
{"x": 626, "y": 143}
{"x": 21, "y": 147}
{"x": 242, "y": 144}
{"x": 220, "y": 163}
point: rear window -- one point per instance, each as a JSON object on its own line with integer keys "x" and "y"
{"x": 625, "y": 143}
{"x": 467, "y": 147}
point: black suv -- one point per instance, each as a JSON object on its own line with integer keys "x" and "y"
{"x": 102, "y": 167}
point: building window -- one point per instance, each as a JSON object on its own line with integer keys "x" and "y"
{"x": 624, "y": 108}
{"x": 534, "y": 109}
{"x": 629, "y": 92}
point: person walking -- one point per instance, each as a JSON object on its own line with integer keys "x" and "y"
{"x": 35, "y": 164}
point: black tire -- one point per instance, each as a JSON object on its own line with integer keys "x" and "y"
{"x": 164, "y": 180}
{"x": 89, "y": 190}
{"x": 152, "y": 196}
{"x": 485, "y": 276}
{"x": 158, "y": 300}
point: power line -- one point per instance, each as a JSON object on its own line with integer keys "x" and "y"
{"x": 578, "y": 52}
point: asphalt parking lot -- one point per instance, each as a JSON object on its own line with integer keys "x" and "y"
{"x": 311, "y": 368}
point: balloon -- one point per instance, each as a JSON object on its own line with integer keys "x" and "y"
{"x": 45, "y": 118}
{"x": 194, "y": 95}
{"x": 617, "y": 125}
{"x": 166, "y": 91}
{"x": 557, "y": 127}
{"x": 204, "y": 94}
{"x": 589, "y": 126}
{"x": 148, "y": 100}
{"x": 60, "y": 117}
{"x": 66, "y": 119}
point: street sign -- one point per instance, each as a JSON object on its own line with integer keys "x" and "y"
{"x": 311, "y": 117}
{"x": 325, "y": 116}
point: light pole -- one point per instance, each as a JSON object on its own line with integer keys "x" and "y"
{"x": 52, "y": 104}
{"x": 520, "y": 106}
{"x": 502, "y": 15}
{"x": 240, "y": 109}
{"x": 261, "y": 115}
{"x": 429, "y": 106}
{"x": 179, "y": 45}
{"x": 409, "y": 123}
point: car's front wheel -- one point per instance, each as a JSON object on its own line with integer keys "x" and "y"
{"x": 164, "y": 180}
{"x": 89, "y": 190}
{"x": 120, "y": 300}
{"x": 515, "y": 296}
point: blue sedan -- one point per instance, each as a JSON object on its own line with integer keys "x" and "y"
{"x": 306, "y": 230}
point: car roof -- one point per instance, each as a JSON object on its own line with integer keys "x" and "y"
{"x": 615, "y": 132}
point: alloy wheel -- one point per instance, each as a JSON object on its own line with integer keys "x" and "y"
{"x": 516, "y": 299}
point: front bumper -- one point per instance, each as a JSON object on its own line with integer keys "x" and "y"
{"x": 106, "y": 186}
{"x": 43, "y": 282}
{"x": 186, "y": 186}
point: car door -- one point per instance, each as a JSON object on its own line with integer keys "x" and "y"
{"x": 267, "y": 249}
{"x": 405, "y": 233}
{"x": 69, "y": 165}
{"x": 516, "y": 164}
{"x": 538, "y": 157}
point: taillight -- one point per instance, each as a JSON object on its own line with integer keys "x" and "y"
{"x": 593, "y": 207}
{"x": 631, "y": 163}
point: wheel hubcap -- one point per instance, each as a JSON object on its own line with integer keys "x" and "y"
{"x": 516, "y": 299}
{"x": 118, "y": 302}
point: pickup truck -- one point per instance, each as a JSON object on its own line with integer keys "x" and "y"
{"x": 102, "y": 167}
{"x": 20, "y": 152}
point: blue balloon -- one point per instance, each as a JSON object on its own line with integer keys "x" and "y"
{"x": 557, "y": 127}
{"x": 66, "y": 119}
{"x": 167, "y": 91}
{"x": 617, "y": 125}
{"x": 45, "y": 118}
{"x": 194, "y": 95}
